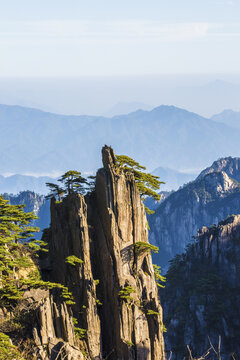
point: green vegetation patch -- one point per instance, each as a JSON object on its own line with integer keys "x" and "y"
{"x": 73, "y": 260}
{"x": 142, "y": 246}
{"x": 160, "y": 279}
{"x": 7, "y": 350}
{"x": 125, "y": 293}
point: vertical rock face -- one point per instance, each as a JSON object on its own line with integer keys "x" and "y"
{"x": 69, "y": 236}
{"x": 201, "y": 298}
{"x": 122, "y": 314}
{"x": 121, "y": 222}
{"x": 53, "y": 331}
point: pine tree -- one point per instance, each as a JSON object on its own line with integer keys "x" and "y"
{"x": 55, "y": 191}
{"x": 15, "y": 230}
{"x": 72, "y": 183}
{"x": 146, "y": 183}
{"x": 17, "y": 251}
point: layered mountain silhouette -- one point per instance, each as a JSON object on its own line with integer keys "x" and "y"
{"x": 228, "y": 117}
{"x": 39, "y": 142}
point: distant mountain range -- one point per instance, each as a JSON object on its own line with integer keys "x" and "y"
{"x": 34, "y": 141}
{"x": 33, "y": 203}
{"x": 16, "y": 183}
{"x": 127, "y": 108}
{"x": 228, "y": 117}
{"x": 209, "y": 98}
{"x": 203, "y": 94}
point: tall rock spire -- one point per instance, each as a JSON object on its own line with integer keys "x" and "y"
{"x": 122, "y": 315}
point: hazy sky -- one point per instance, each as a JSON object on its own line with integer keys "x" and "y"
{"x": 108, "y": 37}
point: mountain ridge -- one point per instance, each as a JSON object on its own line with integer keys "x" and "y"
{"x": 166, "y": 135}
{"x": 202, "y": 202}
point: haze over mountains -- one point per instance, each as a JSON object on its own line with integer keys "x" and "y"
{"x": 172, "y": 178}
{"x": 204, "y": 94}
{"x": 228, "y": 117}
{"x": 15, "y": 183}
{"x": 40, "y": 143}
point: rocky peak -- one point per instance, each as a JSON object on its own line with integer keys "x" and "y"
{"x": 114, "y": 286}
{"x": 205, "y": 201}
{"x": 231, "y": 166}
{"x": 219, "y": 183}
{"x": 108, "y": 157}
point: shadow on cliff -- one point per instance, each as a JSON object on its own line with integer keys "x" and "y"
{"x": 130, "y": 352}
{"x": 126, "y": 254}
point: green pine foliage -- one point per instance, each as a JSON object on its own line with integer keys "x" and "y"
{"x": 7, "y": 350}
{"x": 125, "y": 293}
{"x": 73, "y": 260}
{"x": 142, "y": 247}
{"x": 15, "y": 230}
{"x": 160, "y": 279}
{"x": 163, "y": 328}
{"x": 152, "y": 313}
{"x": 129, "y": 343}
{"x": 55, "y": 191}
{"x": 72, "y": 182}
{"x": 17, "y": 252}
{"x": 146, "y": 183}
{"x": 80, "y": 333}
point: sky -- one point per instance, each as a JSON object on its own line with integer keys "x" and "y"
{"x": 56, "y": 38}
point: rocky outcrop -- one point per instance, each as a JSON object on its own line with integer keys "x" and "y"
{"x": 231, "y": 166}
{"x": 201, "y": 298}
{"x": 113, "y": 285}
{"x": 53, "y": 331}
{"x": 203, "y": 202}
{"x": 68, "y": 236}
{"x": 42, "y": 327}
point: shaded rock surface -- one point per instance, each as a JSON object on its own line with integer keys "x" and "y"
{"x": 202, "y": 293}
{"x": 101, "y": 229}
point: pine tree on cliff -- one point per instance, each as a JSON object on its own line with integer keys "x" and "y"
{"x": 72, "y": 182}
{"x": 17, "y": 251}
{"x": 146, "y": 183}
{"x": 15, "y": 229}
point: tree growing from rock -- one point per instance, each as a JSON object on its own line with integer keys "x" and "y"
{"x": 146, "y": 183}
{"x": 72, "y": 182}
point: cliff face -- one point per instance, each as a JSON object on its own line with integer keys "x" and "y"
{"x": 53, "y": 330}
{"x": 114, "y": 286}
{"x": 204, "y": 202}
{"x": 40, "y": 324}
{"x": 202, "y": 295}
